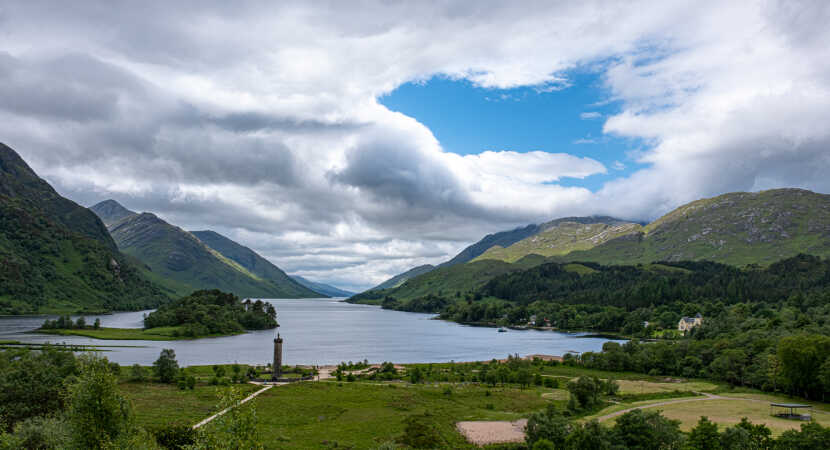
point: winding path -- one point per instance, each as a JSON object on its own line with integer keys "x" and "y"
{"x": 245, "y": 400}
{"x": 669, "y": 402}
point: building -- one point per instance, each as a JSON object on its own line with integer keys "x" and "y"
{"x": 687, "y": 323}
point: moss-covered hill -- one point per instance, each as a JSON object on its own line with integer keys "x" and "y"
{"x": 55, "y": 255}
{"x": 255, "y": 264}
{"x": 737, "y": 228}
{"x": 182, "y": 263}
{"x": 563, "y": 236}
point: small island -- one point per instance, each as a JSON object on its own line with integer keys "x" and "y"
{"x": 205, "y": 313}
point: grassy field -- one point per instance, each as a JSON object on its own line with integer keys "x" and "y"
{"x": 163, "y": 404}
{"x": 363, "y": 415}
{"x": 649, "y": 387}
{"x": 728, "y": 412}
{"x": 128, "y": 334}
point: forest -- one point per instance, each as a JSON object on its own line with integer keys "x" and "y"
{"x": 767, "y": 328}
{"x": 210, "y": 312}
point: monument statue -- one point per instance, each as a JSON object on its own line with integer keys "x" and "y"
{"x": 276, "y": 369}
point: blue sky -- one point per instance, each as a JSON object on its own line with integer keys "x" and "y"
{"x": 468, "y": 119}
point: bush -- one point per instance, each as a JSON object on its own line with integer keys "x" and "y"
{"x": 174, "y": 437}
{"x": 166, "y": 367}
{"x": 191, "y": 382}
{"x": 420, "y": 432}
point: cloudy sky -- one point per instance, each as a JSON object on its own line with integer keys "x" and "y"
{"x": 349, "y": 141}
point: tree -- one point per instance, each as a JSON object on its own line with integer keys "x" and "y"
{"x": 811, "y": 436}
{"x": 547, "y": 425}
{"x": 137, "y": 373}
{"x": 32, "y": 383}
{"x": 647, "y": 430}
{"x": 97, "y": 414}
{"x": 166, "y": 367}
{"x": 591, "y": 435}
{"x": 235, "y": 430}
{"x": 415, "y": 375}
{"x": 97, "y": 323}
{"x": 704, "y": 436}
{"x": 801, "y": 359}
{"x": 585, "y": 390}
{"x": 80, "y": 323}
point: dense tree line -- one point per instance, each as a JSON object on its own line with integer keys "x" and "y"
{"x": 213, "y": 312}
{"x": 762, "y": 327}
{"x": 649, "y": 430}
{"x": 632, "y": 287}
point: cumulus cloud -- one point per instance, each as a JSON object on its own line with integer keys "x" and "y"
{"x": 261, "y": 120}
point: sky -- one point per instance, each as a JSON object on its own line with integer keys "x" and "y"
{"x": 350, "y": 142}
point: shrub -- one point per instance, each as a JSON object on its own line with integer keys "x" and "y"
{"x": 176, "y": 436}
{"x": 420, "y": 432}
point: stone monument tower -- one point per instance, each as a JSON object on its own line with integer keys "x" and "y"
{"x": 276, "y": 370}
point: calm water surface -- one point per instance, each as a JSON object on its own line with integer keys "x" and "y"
{"x": 325, "y": 331}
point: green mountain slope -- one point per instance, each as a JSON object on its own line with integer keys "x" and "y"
{"x": 562, "y": 236}
{"x": 501, "y": 239}
{"x": 181, "y": 263}
{"x": 55, "y": 255}
{"x": 737, "y": 228}
{"x": 110, "y": 212}
{"x": 450, "y": 281}
{"x": 322, "y": 288}
{"x": 401, "y": 278}
{"x": 255, "y": 264}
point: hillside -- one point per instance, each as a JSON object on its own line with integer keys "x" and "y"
{"x": 562, "y": 236}
{"x": 255, "y": 264}
{"x": 55, "y": 255}
{"x": 401, "y": 278}
{"x": 181, "y": 263}
{"x": 110, "y": 212}
{"x": 737, "y": 228}
{"x": 451, "y": 281}
{"x": 322, "y": 288}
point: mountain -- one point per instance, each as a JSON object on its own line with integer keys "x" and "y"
{"x": 500, "y": 239}
{"x": 110, "y": 212}
{"x": 452, "y": 281}
{"x": 181, "y": 263}
{"x": 555, "y": 237}
{"x": 254, "y": 263}
{"x": 737, "y": 228}
{"x": 563, "y": 236}
{"x": 322, "y": 288}
{"x": 57, "y": 256}
{"x": 401, "y": 278}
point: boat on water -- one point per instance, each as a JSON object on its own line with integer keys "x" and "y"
{"x": 502, "y": 330}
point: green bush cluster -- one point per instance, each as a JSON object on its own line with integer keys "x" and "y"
{"x": 209, "y": 312}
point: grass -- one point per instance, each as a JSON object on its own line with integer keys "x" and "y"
{"x": 363, "y": 415}
{"x": 650, "y": 387}
{"x": 727, "y": 413}
{"x": 128, "y": 334}
{"x": 158, "y": 404}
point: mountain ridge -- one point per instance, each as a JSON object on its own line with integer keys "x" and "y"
{"x": 57, "y": 256}
{"x": 322, "y": 288}
{"x": 180, "y": 262}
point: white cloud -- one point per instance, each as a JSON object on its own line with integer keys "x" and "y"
{"x": 590, "y": 115}
{"x": 261, "y": 120}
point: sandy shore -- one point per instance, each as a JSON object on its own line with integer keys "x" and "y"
{"x": 483, "y": 433}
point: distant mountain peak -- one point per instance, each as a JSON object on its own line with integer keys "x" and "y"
{"x": 110, "y": 211}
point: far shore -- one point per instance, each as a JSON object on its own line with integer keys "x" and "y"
{"x": 129, "y": 334}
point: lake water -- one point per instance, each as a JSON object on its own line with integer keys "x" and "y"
{"x": 325, "y": 331}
